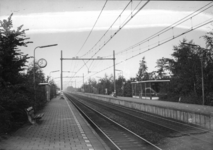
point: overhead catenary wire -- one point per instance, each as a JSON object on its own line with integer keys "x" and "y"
{"x": 92, "y": 27}
{"x": 125, "y": 22}
{"x": 128, "y": 18}
{"x": 132, "y": 16}
{"x": 164, "y": 30}
{"x": 107, "y": 29}
{"x": 190, "y": 16}
{"x": 119, "y": 30}
{"x": 149, "y": 49}
{"x": 103, "y": 36}
{"x": 91, "y": 63}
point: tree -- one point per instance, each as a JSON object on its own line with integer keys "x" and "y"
{"x": 40, "y": 90}
{"x": 15, "y": 93}
{"x": 12, "y": 60}
{"x": 120, "y": 82}
{"x": 208, "y": 64}
{"x": 186, "y": 70}
{"x": 106, "y": 85}
{"x": 142, "y": 72}
{"x": 209, "y": 39}
{"x": 128, "y": 88}
{"x": 16, "y": 88}
{"x": 164, "y": 67}
{"x": 91, "y": 86}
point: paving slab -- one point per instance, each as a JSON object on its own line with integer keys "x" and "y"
{"x": 61, "y": 128}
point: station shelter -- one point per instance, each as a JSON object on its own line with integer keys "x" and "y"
{"x": 149, "y": 89}
{"x": 47, "y": 89}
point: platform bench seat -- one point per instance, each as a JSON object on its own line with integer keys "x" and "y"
{"x": 32, "y": 117}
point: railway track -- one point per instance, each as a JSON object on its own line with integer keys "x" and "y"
{"x": 164, "y": 133}
{"x": 120, "y": 138}
{"x": 178, "y": 126}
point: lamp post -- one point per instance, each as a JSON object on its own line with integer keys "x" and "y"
{"x": 62, "y": 76}
{"x": 34, "y": 81}
{"x": 202, "y": 80}
{"x": 83, "y": 83}
{"x": 120, "y": 71}
{"x": 53, "y": 71}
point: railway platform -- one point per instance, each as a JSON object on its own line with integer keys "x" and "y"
{"x": 61, "y": 128}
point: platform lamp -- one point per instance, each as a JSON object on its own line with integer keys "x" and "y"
{"x": 53, "y": 72}
{"x": 34, "y": 81}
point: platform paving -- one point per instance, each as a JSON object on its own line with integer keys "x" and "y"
{"x": 61, "y": 128}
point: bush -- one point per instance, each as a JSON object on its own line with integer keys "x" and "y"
{"x": 16, "y": 88}
{"x": 190, "y": 98}
{"x": 12, "y": 111}
{"x": 5, "y": 122}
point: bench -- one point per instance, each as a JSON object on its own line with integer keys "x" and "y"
{"x": 32, "y": 118}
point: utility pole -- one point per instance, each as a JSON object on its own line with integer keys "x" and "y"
{"x": 61, "y": 71}
{"x": 201, "y": 59}
{"x": 98, "y": 58}
{"x": 203, "y": 93}
{"x": 114, "y": 74}
{"x": 75, "y": 77}
{"x": 83, "y": 82}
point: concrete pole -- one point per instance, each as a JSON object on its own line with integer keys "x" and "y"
{"x": 145, "y": 90}
{"x": 203, "y": 94}
{"x": 34, "y": 79}
{"x": 83, "y": 82}
{"x": 61, "y": 71}
{"x": 202, "y": 80}
{"x": 114, "y": 73}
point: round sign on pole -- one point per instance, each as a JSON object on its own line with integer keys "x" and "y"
{"x": 42, "y": 63}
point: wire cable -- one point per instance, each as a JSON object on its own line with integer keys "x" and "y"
{"x": 92, "y": 27}
{"x": 118, "y": 30}
{"x": 195, "y": 13}
{"x": 149, "y": 49}
{"x": 103, "y": 35}
{"x": 125, "y": 22}
{"x": 108, "y": 29}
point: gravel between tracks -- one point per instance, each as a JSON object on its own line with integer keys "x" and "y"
{"x": 165, "y": 138}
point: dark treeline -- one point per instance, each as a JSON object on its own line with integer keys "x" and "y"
{"x": 105, "y": 86}
{"x": 16, "y": 78}
{"x": 184, "y": 70}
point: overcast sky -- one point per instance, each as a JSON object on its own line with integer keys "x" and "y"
{"x": 68, "y": 23}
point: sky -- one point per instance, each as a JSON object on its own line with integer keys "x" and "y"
{"x": 68, "y": 24}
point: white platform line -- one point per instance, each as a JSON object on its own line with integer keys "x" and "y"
{"x": 79, "y": 127}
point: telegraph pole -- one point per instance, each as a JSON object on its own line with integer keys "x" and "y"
{"x": 83, "y": 82}
{"x": 114, "y": 74}
{"x": 98, "y": 58}
{"x": 203, "y": 93}
{"x": 202, "y": 77}
{"x": 61, "y": 71}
